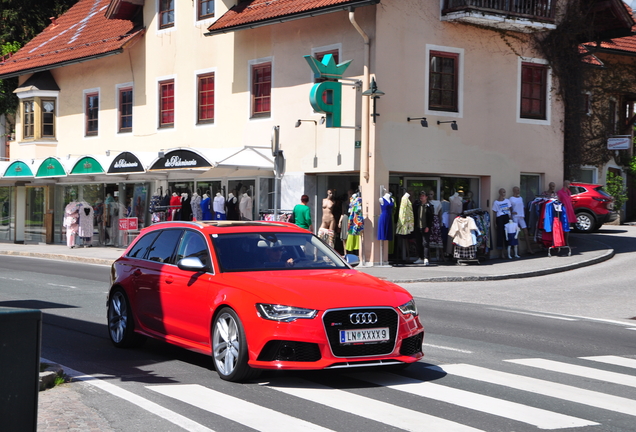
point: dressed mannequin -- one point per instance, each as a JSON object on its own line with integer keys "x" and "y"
{"x": 231, "y": 207}
{"x": 327, "y": 228}
{"x": 385, "y": 224}
{"x": 356, "y": 222}
{"x": 565, "y": 196}
{"x": 219, "y": 207}
{"x": 551, "y": 192}
{"x": 86, "y": 223}
{"x": 423, "y": 213}
{"x": 245, "y": 207}
{"x": 186, "y": 207}
{"x": 175, "y": 204}
{"x": 405, "y": 224}
{"x": 518, "y": 215}
{"x": 436, "y": 240}
{"x": 195, "y": 203}
{"x": 501, "y": 209}
{"x": 456, "y": 207}
{"x": 512, "y": 234}
{"x": 71, "y": 222}
{"x": 206, "y": 214}
{"x": 469, "y": 204}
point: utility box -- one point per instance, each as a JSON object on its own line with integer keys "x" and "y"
{"x": 49, "y": 229}
{"x": 20, "y": 338}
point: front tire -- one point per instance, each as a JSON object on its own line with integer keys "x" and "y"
{"x": 229, "y": 347}
{"x": 585, "y": 222}
{"x": 121, "y": 324}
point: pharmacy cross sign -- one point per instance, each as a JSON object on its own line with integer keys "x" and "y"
{"x": 326, "y": 96}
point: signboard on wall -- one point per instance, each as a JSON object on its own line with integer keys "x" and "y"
{"x": 620, "y": 142}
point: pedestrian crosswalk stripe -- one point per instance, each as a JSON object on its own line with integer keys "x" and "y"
{"x": 540, "y": 418}
{"x": 235, "y": 409}
{"x": 543, "y": 387}
{"x": 583, "y": 371}
{"x": 614, "y": 360}
{"x": 372, "y": 409}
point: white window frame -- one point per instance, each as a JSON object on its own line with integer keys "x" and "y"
{"x": 460, "y": 81}
{"x": 594, "y": 170}
{"x": 197, "y": 73}
{"x": 250, "y": 65}
{"x": 158, "y": 103}
{"x": 99, "y": 111}
{"x": 548, "y": 89}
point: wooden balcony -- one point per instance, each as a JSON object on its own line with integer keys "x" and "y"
{"x": 517, "y": 15}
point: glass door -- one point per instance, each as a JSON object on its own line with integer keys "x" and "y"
{"x": 34, "y": 230}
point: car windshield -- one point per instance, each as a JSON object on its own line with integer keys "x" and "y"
{"x": 273, "y": 251}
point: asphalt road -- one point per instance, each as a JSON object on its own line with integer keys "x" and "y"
{"x": 515, "y": 355}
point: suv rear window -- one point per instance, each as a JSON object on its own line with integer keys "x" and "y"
{"x": 602, "y": 192}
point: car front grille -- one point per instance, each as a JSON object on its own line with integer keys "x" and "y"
{"x": 412, "y": 345}
{"x": 278, "y": 350}
{"x": 339, "y": 319}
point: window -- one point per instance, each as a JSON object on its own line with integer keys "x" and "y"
{"x": 206, "y": 8}
{"x": 166, "y": 103}
{"x": 534, "y": 78}
{"x": 48, "y": 118}
{"x": 92, "y": 112}
{"x": 193, "y": 245}
{"x": 142, "y": 245}
{"x": 443, "y": 86}
{"x": 125, "y": 109}
{"x": 28, "y": 118}
{"x": 166, "y": 13}
{"x": 261, "y": 89}
{"x": 163, "y": 248}
{"x": 205, "y": 99}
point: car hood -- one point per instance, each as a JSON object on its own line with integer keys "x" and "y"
{"x": 318, "y": 289}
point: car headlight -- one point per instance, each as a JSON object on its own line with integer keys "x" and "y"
{"x": 409, "y": 308}
{"x": 283, "y": 313}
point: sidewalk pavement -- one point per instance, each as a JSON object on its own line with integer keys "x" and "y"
{"x": 585, "y": 251}
{"x": 62, "y": 408}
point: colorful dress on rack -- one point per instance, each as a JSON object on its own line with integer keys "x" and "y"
{"x": 356, "y": 223}
{"x": 406, "y": 219}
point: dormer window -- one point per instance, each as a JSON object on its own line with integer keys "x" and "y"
{"x": 38, "y": 107}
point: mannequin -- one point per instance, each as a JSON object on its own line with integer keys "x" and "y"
{"x": 512, "y": 234}
{"x": 231, "y": 207}
{"x": 436, "y": 240}
{"x": 195, "y": 203}
{"x": 327, "y": 228}
{"x": 71, "y": 222}
{"x": 423, "y": 224}
{"x": 107, "y": 219}
{"x": 501, "y": 215}
{"x": 518, "y": 215}
{"x": 86, "y": 223}
{"x": 175, "y": 204}
{"x": 344, "y": 216}
{"x": 405, "y": 224}
{"x": 206, "y": 214}
{"x": 219, "y": 207}
{"x": 456, "y": 207}
{"x": 186, "y": 207}
{"x": 385, "y": 224}
{"x": 245, "y": 207}
{"x": 551, "y": 192}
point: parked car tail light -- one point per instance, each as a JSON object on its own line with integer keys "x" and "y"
{"x": 284, "y": 313}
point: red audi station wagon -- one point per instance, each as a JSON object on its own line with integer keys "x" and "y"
{"x": 258, "y": 295}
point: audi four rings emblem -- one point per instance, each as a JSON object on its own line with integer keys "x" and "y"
{"x": 363, "y": 318}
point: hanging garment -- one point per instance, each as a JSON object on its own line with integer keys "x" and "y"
{"x": 565, "y": 196}
{"x": 86, "y": 220}
{"x": 195, "y": 203}
{"x": 245, "y": 207}
{"x": 557, "y": 233}
{"x": 406, "y": 220}
{"x": 356, "y": 220}
{"x": 206, "y": 214}
{"x": 186, "y": 209}
{"x": 385, "y": 224}
{"x": 231, "y": 208}
{"x": 175, "y": 204}
{"x": 461, "y": 231}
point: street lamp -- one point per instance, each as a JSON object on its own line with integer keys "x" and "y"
{"x": 374, "y": 93}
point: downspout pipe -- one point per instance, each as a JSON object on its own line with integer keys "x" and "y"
{"x": 365, "y": 123}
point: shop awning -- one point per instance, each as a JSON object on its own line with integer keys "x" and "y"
{"x": 189, "y": 159}
{"x": 255, "y": 158}
{"x": 18, "y": 169}
{"x": 91, "y": 165}
{"x": 50, "y": 167}
{"x": 130, "y": 163}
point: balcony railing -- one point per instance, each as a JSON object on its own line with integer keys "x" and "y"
{"x": 534, "y": 10}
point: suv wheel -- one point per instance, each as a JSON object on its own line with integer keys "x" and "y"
{"x": 585, "y": 222}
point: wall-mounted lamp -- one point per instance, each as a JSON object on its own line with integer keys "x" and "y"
{"x": 374, "y": 93}
{"x": 452, "y": 122}
{"x": 107, "y": 152}
{"x": 299, "y": 122}
{"x": 422, "y": 120}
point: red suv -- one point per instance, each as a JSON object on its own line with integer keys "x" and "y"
{"x": 592, "y": 205}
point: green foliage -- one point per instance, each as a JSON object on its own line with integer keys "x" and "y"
{"x": 631, "y": 167}
{"x": 615, "y": 187}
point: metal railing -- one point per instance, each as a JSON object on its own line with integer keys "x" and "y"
{"x": 541, "y": 10}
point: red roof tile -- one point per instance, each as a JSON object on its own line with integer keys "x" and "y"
{"x": 259, "y": 12}
{"x": 82, "y": 32}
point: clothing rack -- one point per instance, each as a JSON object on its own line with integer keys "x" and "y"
{"x": 553, "y": 238}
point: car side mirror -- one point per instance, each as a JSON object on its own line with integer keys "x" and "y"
{"x": 352, "y": 260}
{"x": 192, "y": 264}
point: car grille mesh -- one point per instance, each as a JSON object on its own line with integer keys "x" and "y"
{"x": 336, "y": 320}
{"x": 412, "y": 345}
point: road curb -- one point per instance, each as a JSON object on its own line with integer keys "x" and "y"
{"x": 60, "y": 257}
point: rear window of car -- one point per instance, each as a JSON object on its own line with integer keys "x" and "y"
{"x": 273, "y": 251}
{"x": 140, "y": 248}
{"x": 163, "y": 248}
{"x": 602, "y": 192}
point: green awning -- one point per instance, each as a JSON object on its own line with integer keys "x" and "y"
{"x": 87, "y": 165}
{"x": 51, "y": 167}
{"x": 18, "y": 169}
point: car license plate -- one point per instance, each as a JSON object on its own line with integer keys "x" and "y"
{"x": 364, "y": 336}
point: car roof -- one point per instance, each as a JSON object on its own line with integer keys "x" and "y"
{"x": 227, "y": 226}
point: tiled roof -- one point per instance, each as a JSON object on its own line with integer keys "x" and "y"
{"x": 83, "y": 32}
{"x": 626, "y": 43}
{"x": 253, "y": 13}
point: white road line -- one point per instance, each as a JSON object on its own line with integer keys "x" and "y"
{"x": 522, "y": 413}
{"x": 64, "y": 286}
{"x": 448, "y": 348}
{"x": 614, "y": 360}
{"x": 368, "y": 408}
{"x": 141, "y": 402}
{"x": 235, "y": 409}
{"x": 543, "y": 387}
{"x": 583, "y": 371}
{"x": 535, "y": 314}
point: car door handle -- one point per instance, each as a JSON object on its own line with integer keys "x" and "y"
{"x": 137, "y": 272}
{"x": 169, "y": 279}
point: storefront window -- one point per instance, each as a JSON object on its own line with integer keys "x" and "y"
{"x": 7, "y": 222}
{"x": 36, "y": 207}
{"x": 530, "y": 185}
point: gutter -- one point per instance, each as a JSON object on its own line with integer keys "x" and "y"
{"x": 293, "y": 17}
{"x": 57, "y": 65}
{"x": 364, "y": 123}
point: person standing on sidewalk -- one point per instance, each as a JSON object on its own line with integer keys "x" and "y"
{"x": 519, "y": 215}
{"x": 501, "y": 212}
{"x": 302, "y": 214}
